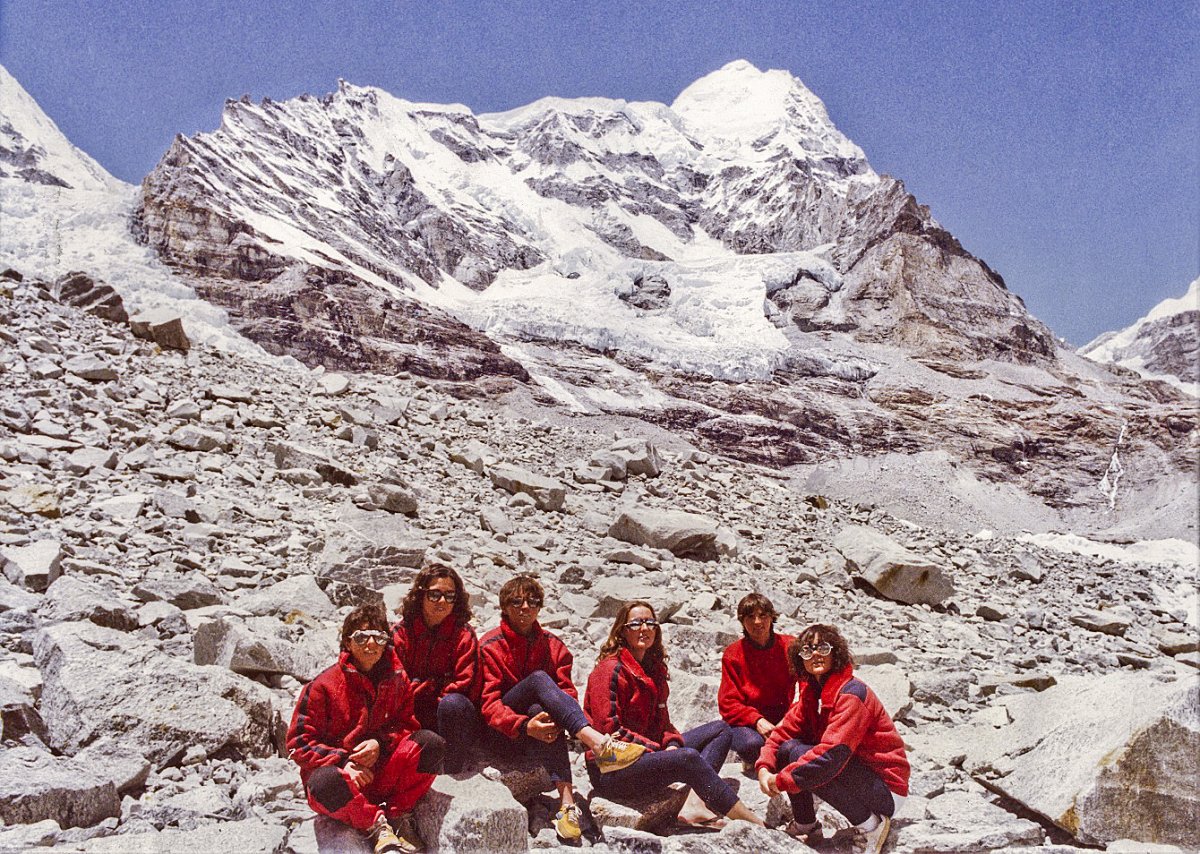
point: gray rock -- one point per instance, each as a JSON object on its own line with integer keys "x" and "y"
{"x": 34, "y": 567}
{"x": 35, "y": 786}
{"x": 186, "y": 591}
{"x": 333, "y": 837}
{"x": 163, "y": 327}
{"x": 653, "y": 811}
{"x": 966, "y": 822}
{"x": 13, "y": 597}
{"x": 892, "y": 570}
{"x": 34, "y": 499}
{"x": 473, "y": 814}
{"x": 86, "y": 294}
{"x": 392, "y": 498}
{"x": 1109, "y": 622}
{"x": 83, "y": 460}
{"x": 737, "y": 837}
{"x": 90, "y": 368}
{"x": 494, "y": 519}
{"x": 333, "y": 384}
{"x": 100, "y": 683}
{"x": 292, "y": 456}
{"x": 890, "y": 685}
{"x": 251, "y": 834}
{"x": 23, "y": 837}
{"x": 476, "y": 456}
{"x": 1100, "y": 765}
{"x": 296, "y": 594}
{"x": 192, "y": 438}
{"x": 231, "y": 393}
{"x": 614, "y": 591}
{"x": 547, "y": 493}
{"x": 369, "y": 551}
{"x": 18, "y": 717}
{"x": 687, "y": 535}
{"x": 942, "y": 687}
{"x": 229, "y": 644}
{"x": 71, "y": 598}
{"x": 640, "y": 456}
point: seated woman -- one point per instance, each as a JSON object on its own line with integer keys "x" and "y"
{"x": 627, "y": 696}
{"x": 757, "y": 685}
{"x": 355, "y": 739}
{"x": 440, "y": 653}
{"x": 836, "y": 742}
{"x": 529, "y": 697}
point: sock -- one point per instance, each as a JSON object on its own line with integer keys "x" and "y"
{"x": 870, "y": 824}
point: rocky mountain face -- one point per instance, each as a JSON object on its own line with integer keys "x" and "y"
{"x": 729, "y": 266}
{"x": 1165, "y": 344}
{"x": 183, "y": 528}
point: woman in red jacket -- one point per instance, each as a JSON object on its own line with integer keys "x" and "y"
{"x": 836, "y": 742}
{"x": 757, "y": 685}
{"x": 529, "y": 697}
{"x": 440, "y": 653}
{"x": 356, "y": 741}
{"x": 627, "y": 696}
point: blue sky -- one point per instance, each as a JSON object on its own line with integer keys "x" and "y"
{"x": 1058, "y": 141}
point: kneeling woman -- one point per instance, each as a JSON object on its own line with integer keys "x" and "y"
{"x": 836, "y": 742}
{"x": 627, "y": 696}
{"x": 529, "y": 697}
{"x": 440, "y": 653}
{"x": 356, "y": 741}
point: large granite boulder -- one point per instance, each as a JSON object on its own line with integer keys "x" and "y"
{"x": 254, "y": 649}
{"x": 892, "y": 570}
{"x": 1105, "y": 758}
{"x": 35, "y": 566}
{"x": 683, "y": 534}
{"x": 100, "y": 682}
{"x": 471, "y": 814}
{"x": 251, "y": 834}
{"x": 35, "y": 786}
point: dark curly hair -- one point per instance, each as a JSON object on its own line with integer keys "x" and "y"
{"x": 810, "y": 637}
{"x": 371, "y": 615}
{"x": 656, "y": 655}
{"x": 410, "y": 609}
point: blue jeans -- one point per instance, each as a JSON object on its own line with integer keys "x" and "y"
{"x": 747, "y": 742}
{"x": 856, "y": 792}
{"x": 697, "y": 764}
{"x": 458, "y": 723}
{"x": 538, "y": 693}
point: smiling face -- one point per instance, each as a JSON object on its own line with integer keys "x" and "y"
{"x": 819, "y": 665}
{"x": 367, "y": 654}
{"x": 521, "y": 610}
{"x": 640, "y": 639}
{"x": 758, "y": 627}
{"x": 433, "y": 613}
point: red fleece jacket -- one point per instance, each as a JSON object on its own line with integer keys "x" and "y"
{"x": 843, "y": 718}
{"x": 756, "y": 682}
{"x": 507, "y": 658}
{"x": 625, "y": 700}
{"x": 343, "y": 707}
{"x": 439, "y": 661}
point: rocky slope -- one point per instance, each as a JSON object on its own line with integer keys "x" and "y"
{"x": 210, "y": 516}
{"x": 1165, "y": 344}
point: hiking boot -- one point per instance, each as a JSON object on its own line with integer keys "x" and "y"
{"x": 566, "y": 823}
{"x": 406, "y": 831}
{"x": 614, "y": 755}
{"x": 385, "y": 840}
{"x": 875, "y": 838}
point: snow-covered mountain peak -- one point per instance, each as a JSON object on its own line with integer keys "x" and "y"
{"x": 738, "y": 106}
{"x": 1165, "y": 344}
{"x": 34, "y": 150}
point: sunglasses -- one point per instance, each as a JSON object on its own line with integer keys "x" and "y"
{"x": 807, "y": 652}
{"x": 521, "y": 602}
{"x": 364, "y": 636}
{"x": 634, "y": 625}
{"x": 439, "y": 595}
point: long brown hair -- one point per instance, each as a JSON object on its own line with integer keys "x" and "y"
{"x": 410, "y": 608}
{"x": 840, "y": 655}
{"x": 656, "y": 655}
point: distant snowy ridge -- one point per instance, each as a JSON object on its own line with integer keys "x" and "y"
{"x": 61, "y": 211}
{"x": 1165, "y": 344}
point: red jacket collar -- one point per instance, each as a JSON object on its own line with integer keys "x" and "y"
{"x": 512, "y": 636}
{"x": 445, "y": 628}
{"x": 833, "y": 684}
{"x": 628, "y": 659}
